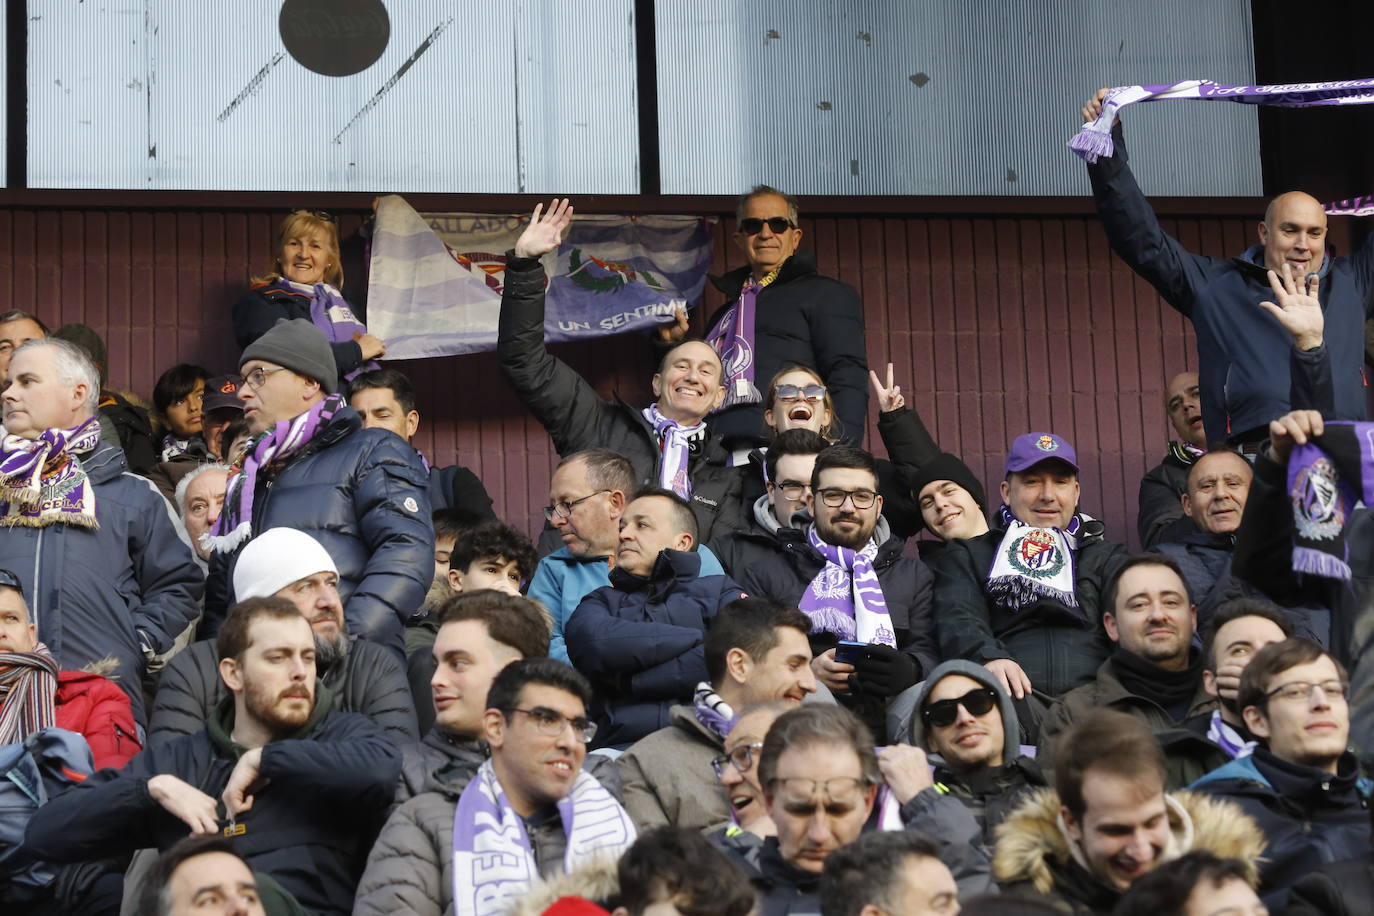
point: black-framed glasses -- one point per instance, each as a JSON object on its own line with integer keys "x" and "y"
{"x": 258, "y": 377}
{"x": 564, "y": 509}
{"x": 793, "y": 489}
{"x": 742, "y": 757}
{"x": 799, "y": 392}
{"x": 318, "y": 214}
{"x": 834, "y": 497}
{"x": 1303, "y": 690}
{"x": 752, "y": 225}
{"x": 942, "y": 713}
{"x": 551, "y": 723}
{"x": 10, "y": 580}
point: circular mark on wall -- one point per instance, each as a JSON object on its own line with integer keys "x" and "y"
{"x": 334, "y": 37}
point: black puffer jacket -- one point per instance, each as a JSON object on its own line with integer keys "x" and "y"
{"x": 1057, "y": 646}
{"x": 577, "y": 418}
{"x": 368, "y": 681}
{"x": 363, "y": 494}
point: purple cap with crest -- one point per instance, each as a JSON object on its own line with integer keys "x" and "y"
{"x": 1032, "y": 448}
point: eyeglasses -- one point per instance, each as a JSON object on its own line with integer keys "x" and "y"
{"x": 752, "y": 225}
{"x": 799, "y": 392}
{"x": 550, "y": 723}
{"x": 942, "y": 713}
{"x": 742, "y": 757}
{"x": 258, "y": 377}
{"x": 1303, "y": 690}
{"x": 840, "y": 794}
{"x": 564, "y": 509}
{"x": 10, "y": 580}
{"x": 792, "y": 489}
{"x": 834, "y": 497}
{"x": 318, "y": 214}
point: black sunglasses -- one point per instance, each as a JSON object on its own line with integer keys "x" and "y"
{"x": 752, "y": 225}
{"x": 942, "y": 713}
{"x": 318, "y": 214}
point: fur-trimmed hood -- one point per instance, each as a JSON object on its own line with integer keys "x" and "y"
{"x": 597, "y": 882}
{"x": 1031, "y": 843}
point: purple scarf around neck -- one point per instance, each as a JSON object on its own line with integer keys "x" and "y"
{"x": 846, "y": 599}
{"x": 331, "y": 313}
{"x": 714, "y": 714}
{"x": 1094, "y": 139}
{"x": 733, "y": 339}
{"x": 42, "y": 481}
{"x": 676, "y": 451}
{"x": 1326, "y": 477}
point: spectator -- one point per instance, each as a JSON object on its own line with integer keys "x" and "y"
{"x": 1163, "y": 486}
{"x": 849, "y": 576}
{"x": 178, "y": 404}
{"x": 1197, "y": 884}
{"x": 640, "y": 639}
{"x": 362, "y": 676}
{"x": 386, "y": 399}
{"x": 302, "y": 784}
{"x": 450, "y": 525}
{"x": 888, "y": 874}
{"x": 17, "y": 327}
{"x": 951, "y": 499}
{"x": 1218, "y": 484}
{"x": 756, "y": 651}
{"x": 121, "y": 420}
{"x": 1301, "y": 784}
{"x": 1231, "y": 638}
{"x": 1243, "y": 351}
{"x": 782, "y": 312}
{"x": 220, "y": 408}
{"x": 303, "y": 282}
{"x": 965, "y": 720}
{"x": 530, "y": 807}
{"x": 737, "y": 770}
{"x": 669, "y": 869}
{"x": 1155, "y": 674}
{"x": 667, "y": 442}
{"x": 1023, "y": 599}
{"x": 35, "y": 694}
{"x": 1108, "y": 821}
{"x": 203, "y": 874}
{"x": 360, "y": 492}
{"x": 787, "y": 468}
{"x": 1339, "y": 889}
{"x": 199, "y": 498}
{"x": 105, "y": 571}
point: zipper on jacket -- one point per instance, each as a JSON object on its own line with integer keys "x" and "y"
{"x": 37, "y": 587}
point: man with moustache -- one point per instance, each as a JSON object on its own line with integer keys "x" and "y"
{"x": 363, "y": 677}
{"x": 297, "y": 786}
{"x": 1218, "y": 486}
{"x": 1162, "y": 488}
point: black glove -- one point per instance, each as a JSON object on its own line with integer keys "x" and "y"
{"x": 885, "y": 672}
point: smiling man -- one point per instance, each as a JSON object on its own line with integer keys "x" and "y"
{"x": 1218, "y": 487}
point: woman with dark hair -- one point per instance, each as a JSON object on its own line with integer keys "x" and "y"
{"x": 303, "y": 282}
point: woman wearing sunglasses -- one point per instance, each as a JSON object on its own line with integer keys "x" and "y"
{"x": 303, "y": 281}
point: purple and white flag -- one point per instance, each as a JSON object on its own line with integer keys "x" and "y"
{"x": 1351, "y": 206}
{"x": 435, "y": 280}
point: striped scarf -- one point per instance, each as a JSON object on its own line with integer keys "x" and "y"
{"x": 235, "y": 525}
{"x": 28, "y": 693}
{"x": 42, "y": 482}
{"x": 714, "y": 714}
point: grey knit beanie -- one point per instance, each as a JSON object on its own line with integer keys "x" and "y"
{"x": 299, "y": 346}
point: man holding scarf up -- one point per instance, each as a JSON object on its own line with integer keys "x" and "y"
{"x": 94, "y": 547}
{"x": 1024, "y": 599}
{"x": 848, "y": 575}
{"x": 667, "y": 441}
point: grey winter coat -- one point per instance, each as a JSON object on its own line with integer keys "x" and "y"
{"x": 668, "y": 777}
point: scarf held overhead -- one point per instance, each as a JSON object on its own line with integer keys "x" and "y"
{"x": 846, "y": 599}
{"x": 493, "y": 864}
{"x": 1326, "y": 477}
{"x": 28, "y": 691}
{"x": 1094, "y": 139}
{"x": 42, "y": 482}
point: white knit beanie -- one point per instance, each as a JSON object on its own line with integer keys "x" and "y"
{"x": 275, "y": 559}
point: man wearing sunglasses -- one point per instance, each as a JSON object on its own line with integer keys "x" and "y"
{"x": 1302, "y": 784}
{"x": 782, "y": 312}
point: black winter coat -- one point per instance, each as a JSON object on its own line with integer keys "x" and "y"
{"x": 1058, "y": 647}
{"x": 1205, "y": 559}
{"x": 261, "y": 306}
{"x": 577, "y": 418}
{"x": 363, "y": 494}
{"x": 311, "y": 824}
{"x": 369, "y": 681}
{"x": 640, "y": 642}
{"x": 1161, "y": 515}
{"x": 1338, "y": 889}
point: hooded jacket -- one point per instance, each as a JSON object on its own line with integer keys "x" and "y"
{"x": 1035, "y": 855}
{"x": 97, "y": 593}
{"x": 668, "y": 777}
{"x": 90, "y": 704}
{"x": 640, "y": 640}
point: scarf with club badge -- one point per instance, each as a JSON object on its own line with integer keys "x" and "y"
{"x": 846, "y": 599}
{"x": 42, "y": 482}
{"x": 733, "y": 339}
{"x": 493, "y": 864}
{"x": 675, "y": 441}
{"x": 1034, "y": 563}
{"x": 28, "y": 690}
{"x": 1326, "y": 478}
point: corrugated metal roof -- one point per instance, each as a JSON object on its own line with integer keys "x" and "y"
{"x": 930, "y": 98}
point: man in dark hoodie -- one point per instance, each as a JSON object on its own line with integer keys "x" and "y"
{"x": 299, "y": 788}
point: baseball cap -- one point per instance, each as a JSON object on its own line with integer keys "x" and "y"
{"x": 222, "y": 391}
{"x": 1032, "y": 448}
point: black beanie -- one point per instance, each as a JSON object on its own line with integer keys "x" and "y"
{"x": 299, "y": 346}
{"x": 945, "y": 466}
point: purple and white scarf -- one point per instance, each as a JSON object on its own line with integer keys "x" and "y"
{"x": 1033, "y": 563}
{"x": 28, "y": 691}
{"x": 1094, "y": 139}
{"x": 492, "y": 862}
{"x": 1326, "y": 478}
{"x": 675, "y": 445}
{"x": 1224, "y": 735}
{"x": 332, "y": 314}
{"x": 42, "y": 482}
{"x": 733, "y": 339}
{"x": 286, "y": 438}
{"x": 846, "y": 599}
{"x": 714, "y": 714}
{"x": 1351, "y": 206}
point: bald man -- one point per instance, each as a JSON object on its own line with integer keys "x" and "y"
{"x": 1248, "y": 355}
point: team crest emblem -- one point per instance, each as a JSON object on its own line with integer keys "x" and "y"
{"x": 1318, "y": 508}
{"x": 1046, "y": 444}
{"x": 1036, "y": 554}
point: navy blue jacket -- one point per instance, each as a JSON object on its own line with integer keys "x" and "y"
{"x": 97, "y": 590}
{"x": 1244, "y": 354}
{"x": 312, "y": 822}
{"x": 640, "y": 641}
{"x": 1309, "y": 817}
{"x": 363, "y": 494}
{"x": 262, "y": 306}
